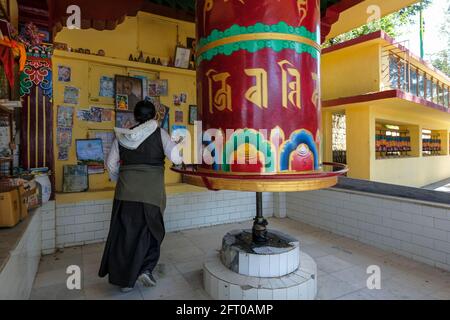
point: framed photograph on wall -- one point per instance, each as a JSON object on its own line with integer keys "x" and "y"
{"x": 121, "y": 102}
{"x": 75, "y": 178}
{"x": 192, "y": 114}
{"x": 90, "y": 152}
{"x": 131, "y": 87}
{"x": 182, "y": 57}
{"x": 125, "y": 120}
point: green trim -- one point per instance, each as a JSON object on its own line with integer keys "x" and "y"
{"x": 255, "y": 45}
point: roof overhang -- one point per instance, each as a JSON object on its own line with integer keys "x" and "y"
{"x": 350, "y": 14}
{"x": 395, "y": 99}
{"x": 338, "y": 16}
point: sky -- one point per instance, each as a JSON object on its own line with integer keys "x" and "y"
{"x": 434, "y": 17}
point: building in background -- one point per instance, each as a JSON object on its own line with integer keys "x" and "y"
{"x": 394, "y": 108}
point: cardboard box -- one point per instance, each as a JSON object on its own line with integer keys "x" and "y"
{"x": 9, "y": 208}
{"x": 23, "y": 197}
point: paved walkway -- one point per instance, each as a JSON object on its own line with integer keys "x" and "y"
{"x": 443, "y": 186}
{"x": 342, "y": 265}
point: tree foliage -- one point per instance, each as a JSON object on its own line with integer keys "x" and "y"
{"x": 441, "y": 59}
{"x": 389, "y": 24}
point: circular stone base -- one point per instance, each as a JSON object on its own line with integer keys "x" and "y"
{"x": 223, "y": 284}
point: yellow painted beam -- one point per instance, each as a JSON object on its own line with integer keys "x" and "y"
{"x": 361, "y": 14}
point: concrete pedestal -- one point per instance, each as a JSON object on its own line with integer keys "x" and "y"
{"x": 277, "y": 270}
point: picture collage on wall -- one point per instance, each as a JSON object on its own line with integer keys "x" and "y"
{"x": 92, "y": 148}
{"x": 64, "y": 119}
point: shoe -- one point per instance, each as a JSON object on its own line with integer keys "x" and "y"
{"x": 126, "y": 289}
{"x": 147, "y": 279}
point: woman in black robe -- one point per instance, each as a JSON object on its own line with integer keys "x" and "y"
{"x": 136, "y": 162}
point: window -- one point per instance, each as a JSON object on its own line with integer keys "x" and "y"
{"x": 403, "y": 73}
{"x": 429, "y": 96}
{"x": 441, "y": 94}
{"x": 339, "y": 138}
{"x": 414, "y": 82}
{"x": 446, "y": 97}
{"x": 431, "y": 143}
{"x": 435, "y": 93}
{"x": 421, "y": 80}
{"x": 393, "y": 71}
{"x": 392, "y": 141}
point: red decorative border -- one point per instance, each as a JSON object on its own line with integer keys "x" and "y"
{"x": 294, "y": 176}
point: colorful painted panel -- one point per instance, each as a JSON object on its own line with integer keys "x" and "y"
{"x": 37, "y": 112}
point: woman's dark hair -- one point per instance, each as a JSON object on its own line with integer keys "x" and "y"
{"x": 144, "y": 111}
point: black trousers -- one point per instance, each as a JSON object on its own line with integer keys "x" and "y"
{"x": 134, "y": 241}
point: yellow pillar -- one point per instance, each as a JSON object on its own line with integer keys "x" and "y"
{"x": 360, "y": 141}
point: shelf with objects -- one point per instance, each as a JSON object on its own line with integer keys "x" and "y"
{"x": 91, "y": 99}
{"x": 22, "y": 186}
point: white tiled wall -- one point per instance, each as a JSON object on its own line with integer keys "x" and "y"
{"x": 17, "y": 276}
{"x": 48, "y": 227}
{"x": 414, "y": 229}
{"x": 88, "y": 222}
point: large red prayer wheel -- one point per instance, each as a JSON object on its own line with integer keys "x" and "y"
{"x": 258, "y": 82}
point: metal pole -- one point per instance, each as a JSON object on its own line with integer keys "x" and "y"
{"x": 259, "y": 212}
{"x": 259, "y": 230}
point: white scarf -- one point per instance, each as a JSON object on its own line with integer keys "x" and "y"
{"x": 132, "y": 138}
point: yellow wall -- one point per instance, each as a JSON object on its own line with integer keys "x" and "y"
{"x": 155, "y": 36}
{"x": 360, "y": 148}
{"x": 420, "y": 170}
{"x": 351, "y": 71}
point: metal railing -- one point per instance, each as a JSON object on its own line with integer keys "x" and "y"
{"x": 401, "y": 74}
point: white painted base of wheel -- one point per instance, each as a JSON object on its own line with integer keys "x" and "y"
{"x": 223, "y": 284}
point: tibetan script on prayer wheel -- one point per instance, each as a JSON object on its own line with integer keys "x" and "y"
{"x": 259, "y": 84}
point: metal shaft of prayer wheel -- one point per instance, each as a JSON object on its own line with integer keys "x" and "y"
{"x": 259, "y": 231}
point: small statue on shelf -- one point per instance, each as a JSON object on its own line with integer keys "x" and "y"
{"x": 130, "y": 58}
{"x": 141, "y": 57}
{"x": 148, "y": 60}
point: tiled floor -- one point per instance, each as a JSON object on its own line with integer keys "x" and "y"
{"x": 342, "y": 265}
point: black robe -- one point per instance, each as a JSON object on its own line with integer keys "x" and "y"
{"x": 137, "y": 229}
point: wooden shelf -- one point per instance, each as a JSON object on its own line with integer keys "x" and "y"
{"x": 123, "y": 63}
